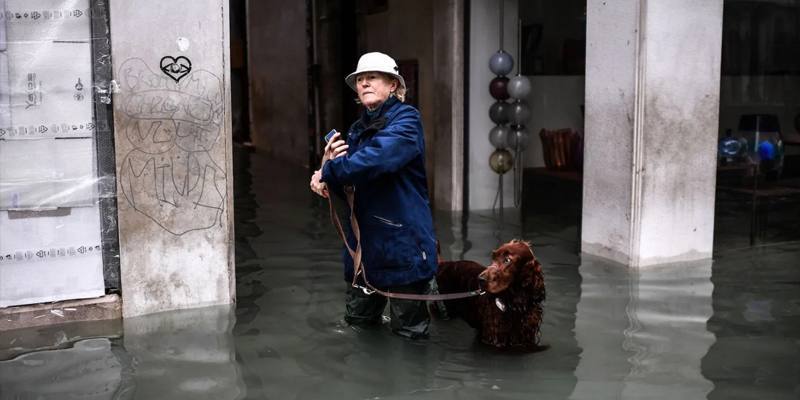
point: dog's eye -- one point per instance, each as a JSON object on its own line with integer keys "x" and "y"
{"x": 507, "y": 260}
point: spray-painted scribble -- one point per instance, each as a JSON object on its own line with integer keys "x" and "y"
{"x": 171, "y": 175}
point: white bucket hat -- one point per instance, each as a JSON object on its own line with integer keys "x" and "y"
{"x": 377, "y": 62}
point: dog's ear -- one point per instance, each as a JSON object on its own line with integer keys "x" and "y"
{"x": 530, "y": 273}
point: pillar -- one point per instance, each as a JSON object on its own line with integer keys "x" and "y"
{"x": 278, "y": 72}
{"x": 172, "y": 132}
{"x": 652, "y": 106}
{"x": 448, "y": 110}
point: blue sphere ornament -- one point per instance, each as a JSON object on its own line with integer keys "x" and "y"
{"x": 499, "y": 112}
{"x": 766, "y": 150}
{"x": 519, "y": 87}
{"x": 499, "y": 135}
{"x": 501, "y": 63}
{"x": 518, "y": 138}
{"x": 519, "y": 112}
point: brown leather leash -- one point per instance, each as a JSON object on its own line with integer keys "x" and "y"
{"x": 358, "y": 264}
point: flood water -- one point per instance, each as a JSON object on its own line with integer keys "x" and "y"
{"x": 727, "y": 329}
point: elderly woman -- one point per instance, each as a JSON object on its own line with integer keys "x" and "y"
{"x": 383, "y": 159}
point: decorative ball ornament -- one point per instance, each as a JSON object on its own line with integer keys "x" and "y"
{"x": 499, "y": 112}
{"x": 767, "y": 150}
{"x": 501, "y": 161}
{"x": 501, "y": 63}
{"x": 518, "y": 138}
{"x": 519, "y": 112}
{"x": 499, "y": 136}
{"x": 498, "y": 88}
{"x": 519, "y": 87}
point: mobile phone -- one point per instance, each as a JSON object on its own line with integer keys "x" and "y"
{"x": 329, "y": 135}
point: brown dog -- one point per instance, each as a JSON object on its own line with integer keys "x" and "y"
{"x": 509, "y": 314}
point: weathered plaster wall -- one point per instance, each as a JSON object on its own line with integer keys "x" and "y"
{"x": 173, "y": 151}
{"x": 682, "y": 58}
{"x": 484, "y": 37}
{"x": 652, "y": 106}
{"x": 277, "y": 62}
{"x": 608, "y": 150}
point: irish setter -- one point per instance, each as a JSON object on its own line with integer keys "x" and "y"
{"x": 509, "y": 314}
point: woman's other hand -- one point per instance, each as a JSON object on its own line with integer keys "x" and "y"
{"x": 318, "y": 186}
{"x": 335, "y": 148}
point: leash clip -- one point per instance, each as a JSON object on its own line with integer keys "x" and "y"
{"x": 367, "y": 291}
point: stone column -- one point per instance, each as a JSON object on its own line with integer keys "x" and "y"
{"x": 173, "y": 153}
{"x": 652, "y": 106}
{"x": 448, "y": 111}
{"x": 278, "y": 72}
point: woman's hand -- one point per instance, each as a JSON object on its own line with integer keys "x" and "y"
{"x": 335, "y": 148}
{"x": 318, "y": 186}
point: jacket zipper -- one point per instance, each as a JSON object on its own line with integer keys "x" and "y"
{"x": 388, "y": 222}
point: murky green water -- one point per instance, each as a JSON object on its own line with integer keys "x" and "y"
{"x": 723, "y": 330}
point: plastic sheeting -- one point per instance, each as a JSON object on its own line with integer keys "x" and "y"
{"x": 50, "y": 214}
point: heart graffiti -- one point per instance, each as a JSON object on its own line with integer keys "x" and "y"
{"x": 176, "y": 67}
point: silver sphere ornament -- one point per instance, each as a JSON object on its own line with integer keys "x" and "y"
{"x": 499, "y": 136}
{"x": 501, "y": 161}
{"x": 519, "y": 112}
{"x": 519, "y": 87}
{"x": 499, "y": 112}
{"x": 518, "y": 138}
{"x": 501, "y": 63}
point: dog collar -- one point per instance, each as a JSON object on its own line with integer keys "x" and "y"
{"x": 499, "y": 303}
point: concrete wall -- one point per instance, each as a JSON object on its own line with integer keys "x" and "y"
{"x": 484, "y": 39}
{"x": 278, "y": 80}
{"x": 173, "y": 151}
{"x": 682, "y": 53}
{"x": 611, "y": 59}
{"x": 652, "y": 103}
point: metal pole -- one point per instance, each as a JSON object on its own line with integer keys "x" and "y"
{"x": 502, "y": 3}
{"x": 754, "y": 197}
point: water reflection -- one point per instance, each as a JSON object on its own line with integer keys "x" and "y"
{"x": 727, "y": 330}
{"x": 643, "y": 332}
{"x": 89, "y": 370}
{"x": 176, "y": 355}
{"x": 757, "y": 324}
{"x": 181, "y": 355}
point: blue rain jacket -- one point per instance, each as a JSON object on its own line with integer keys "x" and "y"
{"x": 385, "y": 163}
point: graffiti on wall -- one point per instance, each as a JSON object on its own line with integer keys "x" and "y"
{"x": 176, "y": 67}
{"x": 173, "y": 120}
